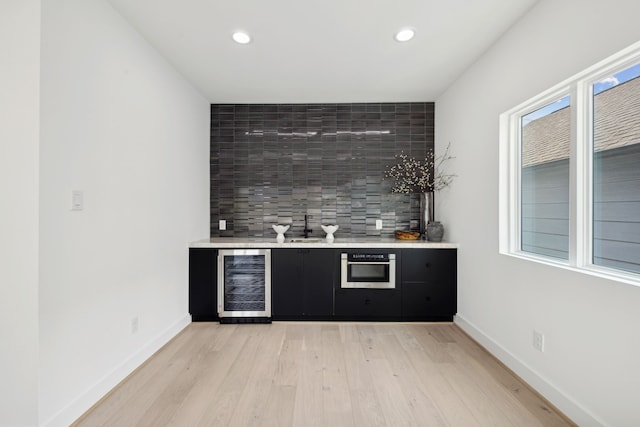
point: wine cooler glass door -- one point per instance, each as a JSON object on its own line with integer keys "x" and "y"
{"x": 244, "y": 283}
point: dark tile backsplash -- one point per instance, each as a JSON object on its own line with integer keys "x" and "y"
{"x": 275, "y": 163}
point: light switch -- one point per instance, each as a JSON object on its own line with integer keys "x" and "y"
{"x": 378, "y": 224}
{"x": 222, "y": 224}
{"x": 77, "y": 200}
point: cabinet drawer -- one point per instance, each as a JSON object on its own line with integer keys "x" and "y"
{"x": 428, "y": 301}
{"x": 420, "y": 265}
{"x": 368, "y": 304}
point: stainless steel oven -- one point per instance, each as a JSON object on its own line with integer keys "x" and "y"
{"x": 368, "y": 270}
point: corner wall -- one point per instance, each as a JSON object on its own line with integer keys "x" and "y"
{"x": 119, "y": 124}
{"x": 592, "y": 341}
{"x": 19, "y": 139}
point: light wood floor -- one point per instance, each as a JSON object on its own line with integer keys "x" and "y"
{"x": 322, "y": 374}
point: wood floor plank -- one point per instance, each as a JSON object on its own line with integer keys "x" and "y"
{"x": 437, "y": 351}
{"x": 348, "y": 332}
{"x": 252, "y": 402}
{"x": 278, "y": 410}
{"x": 308, "y": 406}
{"x": 483, "y": 409}
{"x": 323, "y": 374}
{"x": 393, "y": 402}
{"x": 336, "y": 398}
{"x": 367, "y": 337}
{"x": 201, "y": 395}
{"x": 289, "y": 362}
{"x": 227, "y": 396}
{"x": 171, "y": 400}
{"x": 418, "y": 397}
{"x": 364, "y": 400}
{"x": 429, "y": 372}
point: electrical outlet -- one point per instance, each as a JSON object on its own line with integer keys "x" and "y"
{"x": 378, "y": 224}
{"x": 134, "y": 325}
{"x": 77, "y": 200}
{"x": 538, "y": 341}
{"x": 222, "y": 224}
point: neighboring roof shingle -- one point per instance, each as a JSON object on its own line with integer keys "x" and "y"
{"x": 617, "y": 124}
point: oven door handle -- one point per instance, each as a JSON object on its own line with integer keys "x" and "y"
{"x": 367, "y": 262}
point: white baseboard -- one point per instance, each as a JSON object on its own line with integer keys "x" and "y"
{"x": 564, "y": 403}
{"x": 86, "y": 400}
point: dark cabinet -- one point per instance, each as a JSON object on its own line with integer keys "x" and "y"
{"x": 203, "y": 268}
{"x": 368, "y": 304}
{"x": 302, "y": 284}
{"x": 286, "y": 284}
{"x": 429, "y": 289}
{"x": 305, "y": 285}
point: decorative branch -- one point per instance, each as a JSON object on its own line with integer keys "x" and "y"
{"x": 414, "y": 176}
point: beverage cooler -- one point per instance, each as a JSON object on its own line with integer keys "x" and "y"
{"x": 244, "y": 285}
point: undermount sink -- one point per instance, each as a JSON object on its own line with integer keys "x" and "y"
{"x": 305, "y": 240}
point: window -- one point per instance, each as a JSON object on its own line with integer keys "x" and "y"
{"x": 544, "y": 147}
{"x": 570, "y": 172}
{"x": 616, "y": 170}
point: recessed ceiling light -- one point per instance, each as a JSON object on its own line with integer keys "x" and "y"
{"x": 241, "y": 37}
{"x": 404, "y": 35}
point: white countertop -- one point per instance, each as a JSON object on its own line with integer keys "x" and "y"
{"x": 346, "y": 242}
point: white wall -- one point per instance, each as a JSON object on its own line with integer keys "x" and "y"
{"x": 590, "y": 367}
{"x": 19, "y": 129}
{"x": 121, "y": 125}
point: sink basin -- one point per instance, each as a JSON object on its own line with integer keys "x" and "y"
{"x": 307, "y": 240}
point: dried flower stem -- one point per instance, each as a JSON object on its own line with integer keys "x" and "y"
{"x": 414, "y": 176}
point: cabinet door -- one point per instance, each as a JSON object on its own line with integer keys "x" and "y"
{"x": 429, "y": 289}
{"x": 319, "y": 271}
{"x": 287, "y": 293}
{"x": 203, "y": 267}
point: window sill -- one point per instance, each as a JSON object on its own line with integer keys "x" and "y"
{"x": 591, "y": 270}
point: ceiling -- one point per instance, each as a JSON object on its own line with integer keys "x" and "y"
{"x": 324, "y": 51}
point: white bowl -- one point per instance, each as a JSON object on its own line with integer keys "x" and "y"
{"x": 280, "y": 229}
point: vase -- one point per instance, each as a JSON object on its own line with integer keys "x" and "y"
{"x": 426, "y": 212}
{"x": 330, "y": 229}
{"x": 280, "y": 230}
{"x": 435, "y": 231}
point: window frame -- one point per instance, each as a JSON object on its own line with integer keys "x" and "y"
{"x": 580, "y": 90}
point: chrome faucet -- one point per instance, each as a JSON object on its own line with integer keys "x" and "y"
{"x": 306, "y": 230}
